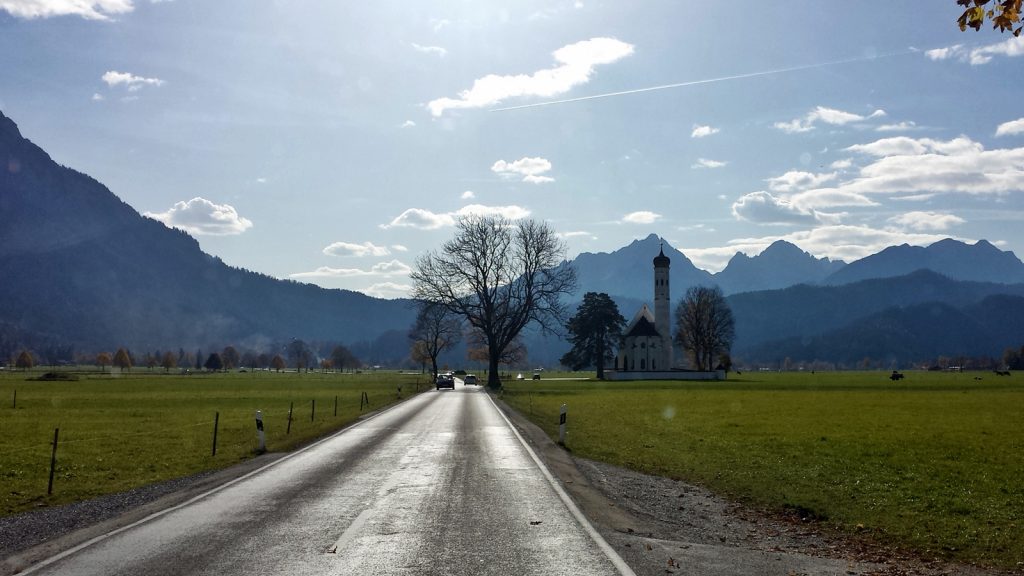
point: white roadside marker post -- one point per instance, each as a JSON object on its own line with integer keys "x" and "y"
{"x": 261, "y": 441}
{"x": 561, "y": 425}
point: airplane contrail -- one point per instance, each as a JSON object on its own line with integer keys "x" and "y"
{"x": 705, "y": 81}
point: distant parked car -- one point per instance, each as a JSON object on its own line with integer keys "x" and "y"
{"x": 470, "y": 380}
{"x": 445, "y": 381}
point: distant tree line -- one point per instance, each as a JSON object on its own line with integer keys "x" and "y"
{"x": 296, "y": 354}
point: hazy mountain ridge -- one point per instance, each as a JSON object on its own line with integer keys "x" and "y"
{"x": 81, "y": 264}
{"x": 781, "y": 265}
{"x": 863, "y": 319}
{"x": 83, "y": 269}
{"x": 981, "y": 262}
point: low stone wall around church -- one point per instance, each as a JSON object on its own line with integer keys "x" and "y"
{"x": 663, "y": 375}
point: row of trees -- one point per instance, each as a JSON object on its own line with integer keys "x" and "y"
{"x": 704, "y": 321}
{"x": 297, "y": 354}
{"x": 497, "y": 276}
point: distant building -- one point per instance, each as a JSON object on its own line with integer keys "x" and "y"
{"x": 645, "y": 351}
{"x": 647, "y": 341}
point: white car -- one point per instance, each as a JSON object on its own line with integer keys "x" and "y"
{"x": 470, "y": 379}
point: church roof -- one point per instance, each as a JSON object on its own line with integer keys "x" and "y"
{"x": 642, "y": 324}
{"x": 643, "y": 328}
{"x": 661, "y": 261}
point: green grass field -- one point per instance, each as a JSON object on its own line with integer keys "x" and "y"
{"x": 933, "y": 463}
{"x": 121, "y": 432}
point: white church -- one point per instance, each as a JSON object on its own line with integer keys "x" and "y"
{"x": 646, "y": 351}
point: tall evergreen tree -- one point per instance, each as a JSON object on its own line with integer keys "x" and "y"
{"x": 594, "y": 332}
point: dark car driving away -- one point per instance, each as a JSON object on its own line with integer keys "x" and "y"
{"x": 445, "y": 381}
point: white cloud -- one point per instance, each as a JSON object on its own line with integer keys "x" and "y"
{"x": 408, "y": 124}
{"x": 388, "y": 290}
{"x": 824, "y": 115}
{"x": 358, "y": 250}
{"x": 898, "y": 127}
{"x": 764, "y": 208}
{"x": 399, "y": 248}
{"x": 468, "y": 195}
{"x": 510, "y": 212}
{"x": 421, "y": 219}
{"x": 703, "y": 131}
{"x": 1011, "y": 128}
{"x": 1010, "y": 47}
{"x": 926, "y": 166}
{"x": 705, "y": 163}
{"x": 391, "y": 268}
{"x": 841, "y": 164}
{"x": 426, "y": 220}
{"x": 201, "y": 217}
{"x": 430, "y": 49}
{"x": 88, "y": 9}
{"x": 796, "y": 180}
{"x": 530, "y": 169}
{"x": 576, "y": 234}
{"x": 383, "y": 269}
{"x": 819, "y": 198}
{"x": 97, "y": 97}
{"x": 130, "y": 81}
{"x": 926, "y": 221}
{"x": 898, "y": 146}
{"x": 576, "y": 64}
{"x": 641, "y": 217}
{"x": 944, "y": 53}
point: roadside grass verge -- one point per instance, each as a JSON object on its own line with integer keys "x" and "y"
{"x": 119, "y": 432}
{"x": 934, "y": 462}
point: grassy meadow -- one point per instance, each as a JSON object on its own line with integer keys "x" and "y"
{"x": 934, "y": 462}
{"x": 122, "y": 431}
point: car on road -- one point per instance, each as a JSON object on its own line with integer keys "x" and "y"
{"x": 445, "y": 381}
{"x": 470, "y": 380}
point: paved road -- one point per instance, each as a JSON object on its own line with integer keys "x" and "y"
{"x": 440, "y": 484}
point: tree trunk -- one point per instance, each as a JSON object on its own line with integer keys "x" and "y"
{"x": 599, "y": 350}
{"x": 493, "y": 376}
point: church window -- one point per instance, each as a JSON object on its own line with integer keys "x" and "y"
{"x": 643, "y": 363}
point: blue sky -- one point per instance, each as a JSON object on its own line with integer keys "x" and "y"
{"x": 332, "y": 142}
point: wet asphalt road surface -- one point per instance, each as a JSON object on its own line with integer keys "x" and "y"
{"x": 440, "y": 484}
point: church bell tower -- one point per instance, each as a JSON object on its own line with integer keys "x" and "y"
{"x": 662, "y": 305}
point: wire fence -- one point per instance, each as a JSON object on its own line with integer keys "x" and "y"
{"x": 119, "y": 449}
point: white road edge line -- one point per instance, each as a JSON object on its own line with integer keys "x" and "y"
{"x": 194, "y": 499}
{"x": 610, "y": 552}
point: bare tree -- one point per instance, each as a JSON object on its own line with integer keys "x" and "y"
{"x": 435, "y": 330}
{"x": 168, "y": 361}
{"x": 122, "y": 359}
{"x": 500, "y": 276}
{"x": 705, "y": 324}
{"x": 341, "y": 357}
{"x": 25, "y": 360}
{"x": 230, "y": 357}
{"x": 515, "y": 354}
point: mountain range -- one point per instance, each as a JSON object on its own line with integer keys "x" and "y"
{"x": 82, "y": 271}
